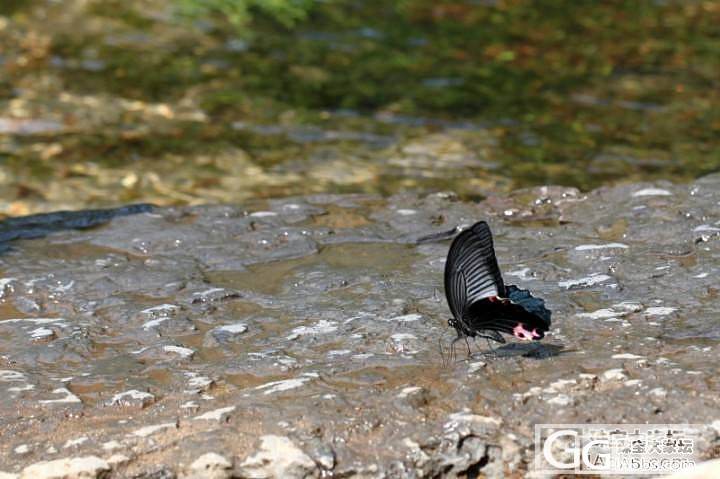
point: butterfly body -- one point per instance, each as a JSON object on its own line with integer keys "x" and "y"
{"x": 481, "y": 303}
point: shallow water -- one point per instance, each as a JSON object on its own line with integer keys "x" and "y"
{"x": 126, "y": 104}
{"x": 322, "y": 319}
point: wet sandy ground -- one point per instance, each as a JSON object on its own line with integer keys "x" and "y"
{"x": 168, "y": 334}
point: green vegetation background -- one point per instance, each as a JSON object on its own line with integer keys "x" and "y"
{"x": 572, "y": 92}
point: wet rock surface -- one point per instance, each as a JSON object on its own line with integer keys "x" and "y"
{"x": 316, "y": 323}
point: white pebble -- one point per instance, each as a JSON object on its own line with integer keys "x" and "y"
{"x": 613, "y": 375}
{"x": 652, "y": 192}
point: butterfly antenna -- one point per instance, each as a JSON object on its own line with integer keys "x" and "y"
{"x": 442, "y": 353}
{"x": 451, "y": 355}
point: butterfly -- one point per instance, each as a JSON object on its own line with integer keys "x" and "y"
{"x": 480, "y": 301}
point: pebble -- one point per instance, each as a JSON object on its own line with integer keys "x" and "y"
{"x": 198, "y": 383}
{"x": 211, "y": 465}
{"x": 279, "y": 457}
{"x": 659, "y": 311}
{"x": 476, "y": 366}
{"x": 41, "y": 334}
{"x": 133, "y": 397}
{"x": 216, "y": 414}
{"x": 321, "y": 327}
{"x": 591, "y": 280}
{"x": 111, "y": 445}
{"x": 87, "y": 467}
{"x": 475, "y": 421}
{"x": 407, "y": 318}
{"x": 69, "y": 397}
{"x": 604, "y": 313}
{"x": 118, "y": 460}
{"x": 150, "y": 430}
{"x": 560, "y": 400}
{"x": 162, "y": 310}
{"x": 613, "y": 375}
{"x": 286, "y": 384}
{"x": 7, "y": 376}
{"x": 409, "y": 390}
{"x": 658, "y": 392}
{"x": 233, "y": 329}
{"x": 592, "y": 247}
{"x": 190, "y": 405}
{"x": 75, "y": 442}
{"x": 22, "y": 449}
{"x": 562, "y": 384}
{"x": 626, "y": 356}
{"x": 651, "y": 192}
{"x": 180, "y": 351}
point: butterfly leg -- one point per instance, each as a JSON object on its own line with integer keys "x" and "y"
{"x": 492, "y": 349}
{"x": 467, "y": 343}
{"x": 453, "y": 355}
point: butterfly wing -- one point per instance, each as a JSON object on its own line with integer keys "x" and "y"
{"x": 471, "y": 271}
{"x": 534, "y": 306}
{"x": 520, "y": 314}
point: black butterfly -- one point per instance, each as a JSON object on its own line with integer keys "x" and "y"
{"x": 481, "y": 304}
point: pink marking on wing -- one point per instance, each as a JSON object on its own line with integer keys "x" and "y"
{"x": 520, "y": 332}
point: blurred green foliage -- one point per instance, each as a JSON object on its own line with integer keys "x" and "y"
{"x": 238, "y": 13}
{"x": 564, "y": 81}
{"x": 571, "y": 92}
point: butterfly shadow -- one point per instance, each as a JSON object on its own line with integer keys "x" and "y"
{"x": 533, "y": 350}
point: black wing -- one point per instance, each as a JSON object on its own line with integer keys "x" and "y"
{"x": 471, "y": 270}
{"x": 519, "y": 309}
{"x": 534, "y": 306}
